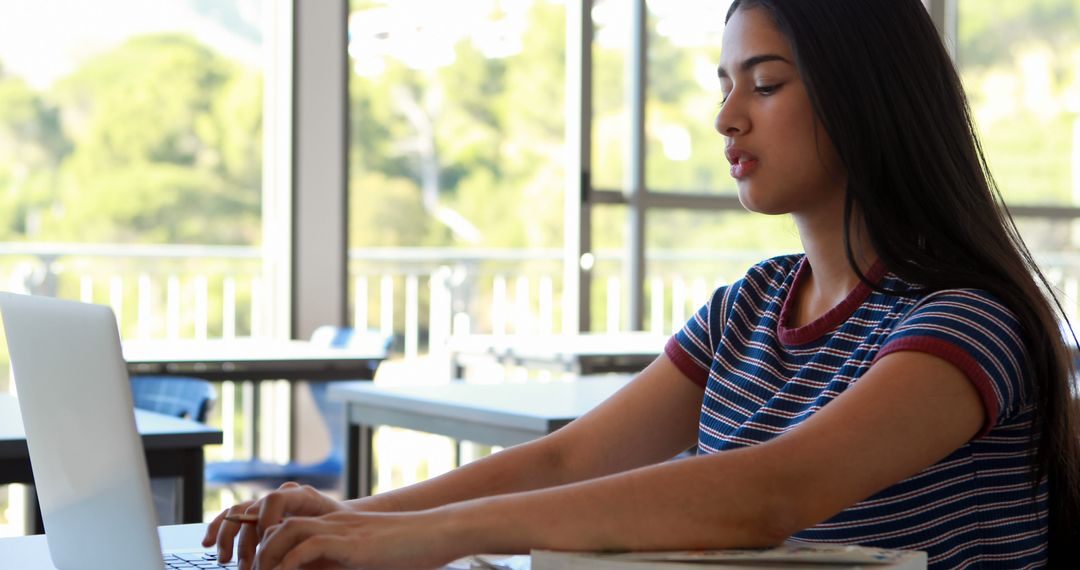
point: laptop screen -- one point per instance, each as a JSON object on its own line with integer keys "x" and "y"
{"x": 88, "y": 462}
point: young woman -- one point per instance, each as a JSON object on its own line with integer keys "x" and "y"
{"x": 901, "y": 384}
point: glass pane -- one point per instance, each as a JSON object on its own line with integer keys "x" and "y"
{"x": 1020, "y": 63}
{"x": 687, "y": 255}
{"x": 1052, "y": 242}
{"x": 456, "y": 179}
{"x": 610, "y": 123}
{"x": 131, "y": 165}
{"x": 132, "y": 159}
{"x": 683, "y": 152}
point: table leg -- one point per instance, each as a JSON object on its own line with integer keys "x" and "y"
{"x": 191, "y": 490}
{"x": 187, "y": 464}
{"x": 352, "y": 460}
{"x": 256, "y": 409}
{"x": 359, "y": 464}
{"x": 34, "y": 524}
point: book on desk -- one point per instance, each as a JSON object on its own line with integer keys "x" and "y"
{"x": 788, "y": 555}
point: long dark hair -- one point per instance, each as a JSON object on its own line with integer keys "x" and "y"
{"x": 886, "y": 91}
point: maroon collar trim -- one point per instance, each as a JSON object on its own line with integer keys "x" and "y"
{"x": 832, "y": 318}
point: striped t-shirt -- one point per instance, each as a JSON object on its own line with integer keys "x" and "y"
{"x": 761, "y": 378}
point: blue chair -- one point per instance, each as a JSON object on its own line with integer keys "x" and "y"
{"x": 189, "y": 398}
{"x": 327, "y": 473}
{"x": 181, "y": 397}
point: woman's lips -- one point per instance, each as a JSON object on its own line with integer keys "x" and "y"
{"x": 743, "y": 168}
{"x": 742, "y": 163}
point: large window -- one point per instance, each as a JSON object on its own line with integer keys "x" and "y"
{"x": 131, "y": 164}
{"x": 456, "y": 163}
{"x": 694, "y": 235}
{"x": 682, "y": 95}
{"x": 1020, "y": 63}
{"x": 131, "y": 170}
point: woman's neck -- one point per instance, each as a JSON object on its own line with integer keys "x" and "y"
{"x": 831, "y": 278}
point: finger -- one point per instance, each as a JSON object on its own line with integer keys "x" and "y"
{"x": 214, "y": 527}
{"x": 290, "y": 499}
{"x": 331, "y": 550}
{"x": 246, "y": 543}
{"x": 272, "y": 510}
{"x": 212, "y": 530}
{"x": 227, "y": 532}
{"x": 282, "y": 538}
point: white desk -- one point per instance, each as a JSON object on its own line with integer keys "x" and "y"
{"x": 585, "y": 353}
{"x": 174, "y": 448}
{"x": 252, "y": 359}
{"x": 494, "y": 414}
{"x": 32, "y": 552}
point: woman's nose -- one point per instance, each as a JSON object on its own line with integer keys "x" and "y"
{"x": 731, "y": 120}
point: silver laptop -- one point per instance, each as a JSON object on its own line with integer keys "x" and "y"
{"x": 88, "y": 461}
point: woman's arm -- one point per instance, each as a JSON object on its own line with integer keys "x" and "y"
{"x": 657, "y": 411}
{"x": 651, "y": 419}
{"x": 907, "y": 412}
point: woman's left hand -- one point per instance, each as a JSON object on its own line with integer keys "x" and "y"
{"x": 361, "y": 540}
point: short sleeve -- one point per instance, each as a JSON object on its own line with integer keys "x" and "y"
{"x": 692, "y": 348}
{"x": 975, "y": 332}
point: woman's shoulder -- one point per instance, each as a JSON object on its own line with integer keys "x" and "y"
{"x": 966, "y": 299}
{"x": 776, "y": 269}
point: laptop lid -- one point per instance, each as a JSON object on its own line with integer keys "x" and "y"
{"x": 87, "y": 457}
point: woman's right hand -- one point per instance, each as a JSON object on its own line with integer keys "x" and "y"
{"x": 290, "y": 499}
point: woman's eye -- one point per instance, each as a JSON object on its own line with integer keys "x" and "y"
{"x": 766, "y": 89}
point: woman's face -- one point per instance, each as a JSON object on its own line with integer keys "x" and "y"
{"x": 781, "y": 158}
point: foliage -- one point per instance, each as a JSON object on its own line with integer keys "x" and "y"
{"x": 158, "y": 140}
{"x": 155, "y": 141}
{"x": 1019, "y": 62}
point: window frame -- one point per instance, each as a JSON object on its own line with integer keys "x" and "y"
{"x": 640, "y": 200}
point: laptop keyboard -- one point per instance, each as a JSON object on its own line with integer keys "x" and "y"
{"x": 195, "y": 560}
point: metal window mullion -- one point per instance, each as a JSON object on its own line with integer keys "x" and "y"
{"x": 943, "y": 13}
{"x": 272, "y": 315}
{"x": 320, "y": 189}
{"x": 672, "y": 200}
{"x": 637, "y": 79}
{"x": 577, "y": 239}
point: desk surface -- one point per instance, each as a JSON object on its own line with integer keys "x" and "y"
{"x": 585, "y": 353}
{"x": 531, "y": 409}
{"x": 251, "y": 359}
{"x": 173, "y": 447}
{"x": 536, "y": 406}
{"x": 584, "y": 344}
{"x": 158, "y": 431}
{"x": 32, "y": 552}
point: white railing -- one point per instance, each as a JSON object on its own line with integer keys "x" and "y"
{"x": 419, "y": 295}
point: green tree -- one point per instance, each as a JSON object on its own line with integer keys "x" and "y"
{"x": 166, "y": 137}
{"x": 480, "y": 138}
{"x": 32, "y": 145}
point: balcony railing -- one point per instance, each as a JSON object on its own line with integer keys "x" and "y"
{"x": 419, "y": 295}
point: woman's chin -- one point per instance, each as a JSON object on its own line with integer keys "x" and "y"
{"x": 756, "y": 203}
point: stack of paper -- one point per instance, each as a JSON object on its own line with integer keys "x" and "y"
{"x": 789, "y": 555}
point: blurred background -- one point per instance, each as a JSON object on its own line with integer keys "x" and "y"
{"x": 132, "y": 171}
